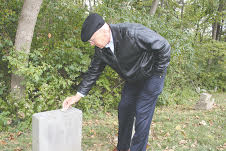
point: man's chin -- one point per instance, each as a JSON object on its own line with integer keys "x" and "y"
{"x": 101, "y": 47}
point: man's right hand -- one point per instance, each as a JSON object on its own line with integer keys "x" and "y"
{"x": 70, "y": 100}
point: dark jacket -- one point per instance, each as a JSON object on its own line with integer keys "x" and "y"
{"x": 138, "y": 54}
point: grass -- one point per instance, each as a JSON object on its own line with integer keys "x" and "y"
{"x": 174, "y": 128}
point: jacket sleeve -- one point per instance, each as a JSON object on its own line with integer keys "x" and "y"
{"x": 89, "y": 79}
{"x": 152, "y": 42}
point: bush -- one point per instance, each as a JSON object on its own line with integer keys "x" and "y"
{"x": 210, "y": 61}
{"x": 58, "y": 59}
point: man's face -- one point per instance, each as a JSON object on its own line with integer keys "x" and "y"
{"x": 99, "y": 39}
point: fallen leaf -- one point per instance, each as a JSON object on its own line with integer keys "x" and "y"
{"x": 92, "y": 136}
{"x": 194, "y": 144}
{"x": 166, "y": 149}
{"x": 183, "y": 142}
{"x": 18, "y": 149}
{"x": 184, "y": 126}
{"x": 16, "y": 142}
{"x": 167, "y": 134}
{"x": 197, "y": 117}
{"x": 9, "y": 121}
{"x": 115, "y": 123}
{"x": 183, "y": 133}
{"x": 11, "y": 137}
{"x": 108, "y": 113}
{"x": 19, "y": 133}
{"x": 3, "y": 142}
{"x": 21, "y": 115}
{"x": 221, "y": 147}
{"x": 158, "y": 145}
{"x": 210, "y": 122}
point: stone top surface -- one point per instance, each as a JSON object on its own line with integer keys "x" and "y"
{"x": 57, "y": 113}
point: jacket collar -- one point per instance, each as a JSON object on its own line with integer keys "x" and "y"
{"x": 116, "y": 35}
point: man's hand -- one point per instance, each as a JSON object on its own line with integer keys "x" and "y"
{"x": 70, "y": 100}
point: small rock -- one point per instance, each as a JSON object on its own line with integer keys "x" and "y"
{"x": 198, "y": 89}
{"x": 202, "y": 123}
{"x": 203, "y": 90}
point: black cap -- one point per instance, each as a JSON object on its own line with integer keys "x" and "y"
{"x": 92, "y": 23}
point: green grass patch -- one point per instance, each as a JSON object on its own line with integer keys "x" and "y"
{"x": 174, "y": 128}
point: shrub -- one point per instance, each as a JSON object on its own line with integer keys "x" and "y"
{"x": 210, "y": 61}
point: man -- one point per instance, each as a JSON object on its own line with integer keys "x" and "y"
{"x": 140, "y": 56}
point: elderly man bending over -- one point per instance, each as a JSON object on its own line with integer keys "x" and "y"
{"x": 140, "y": 56}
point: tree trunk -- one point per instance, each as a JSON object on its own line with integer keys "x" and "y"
{"x": 162, "y": 3}
{"x": 196, "y": 31}
{"x": 216, "y": 25}
{"x": 154, "y": 7}
{"x": 214, "y": 31}
{"x": 219, "y": 26}
{"x": 221, "y": 30}
{"x": 90, "y": 6}
{"x": 23, "y": 39}
{"x": 182, "y": 13}
{"x": 202, "y": 34}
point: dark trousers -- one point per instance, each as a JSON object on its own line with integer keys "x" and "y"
{"x": 138, "y": 100}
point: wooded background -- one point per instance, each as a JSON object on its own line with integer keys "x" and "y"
{"x": 42, "y": 58}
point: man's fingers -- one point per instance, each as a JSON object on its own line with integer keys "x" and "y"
{"x": 66, "y": 103}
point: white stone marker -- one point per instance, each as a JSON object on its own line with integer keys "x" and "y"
{"x": 57, "y": 130}
{"x": 205, "y": 102}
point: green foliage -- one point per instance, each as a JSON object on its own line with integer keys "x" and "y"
{"x": 8, "y": 23}
{"x": 200, "y": 15}
{"x": 9, "y": 14}
{"x": 211, "y": 62}
{"x": 63, "y": 20}
{"x": 58, "y": 58}
{"x": 5, "y": 45}
{"x": 48, "y": 76}
{"x": 181, "y": 71}
{"x": 4, "y": 119}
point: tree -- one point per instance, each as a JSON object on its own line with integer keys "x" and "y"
{"x": 182, "y": 12}
{"x": 217, "y": 27}
{"x": 23, "y": 39}
{"x": 154, "y": 7}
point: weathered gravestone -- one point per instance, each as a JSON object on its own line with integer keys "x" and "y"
{"x": 205, "y": 102}
{"x": 57, "y": 130}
